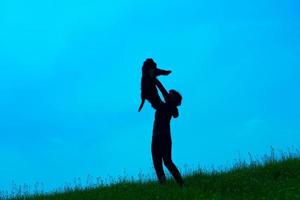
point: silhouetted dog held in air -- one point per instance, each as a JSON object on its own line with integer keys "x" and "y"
{"x": 148, "y": 88}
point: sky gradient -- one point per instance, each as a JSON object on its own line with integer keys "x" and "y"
{"x": 70, "y": 84}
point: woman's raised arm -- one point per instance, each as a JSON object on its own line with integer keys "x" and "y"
{"x": 162, "y": 90}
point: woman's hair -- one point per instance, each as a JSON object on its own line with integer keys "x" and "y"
{"x": 176, "y": 97}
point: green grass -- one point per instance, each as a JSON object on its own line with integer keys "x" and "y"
{"x": 270, "y": 179}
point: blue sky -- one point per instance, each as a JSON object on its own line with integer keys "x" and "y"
{"x": 70, "y": 84}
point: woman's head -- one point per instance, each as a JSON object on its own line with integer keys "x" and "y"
{"x": 175, "y": 97}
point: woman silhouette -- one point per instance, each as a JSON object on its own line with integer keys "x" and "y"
{"x": 161, "y": 146}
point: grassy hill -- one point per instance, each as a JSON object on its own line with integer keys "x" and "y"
{"x": 271, "y": 179}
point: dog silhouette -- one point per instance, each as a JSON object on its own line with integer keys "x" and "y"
{"x": 148, "y": 88}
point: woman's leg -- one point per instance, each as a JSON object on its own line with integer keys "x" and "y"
{"x": 156, "y": 150}
{"x": 167, "y": 158}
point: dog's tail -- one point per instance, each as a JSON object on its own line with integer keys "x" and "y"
{"x": 142, "y": 104}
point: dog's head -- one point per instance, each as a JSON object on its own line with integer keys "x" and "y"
{"x": 149, "y": 68}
